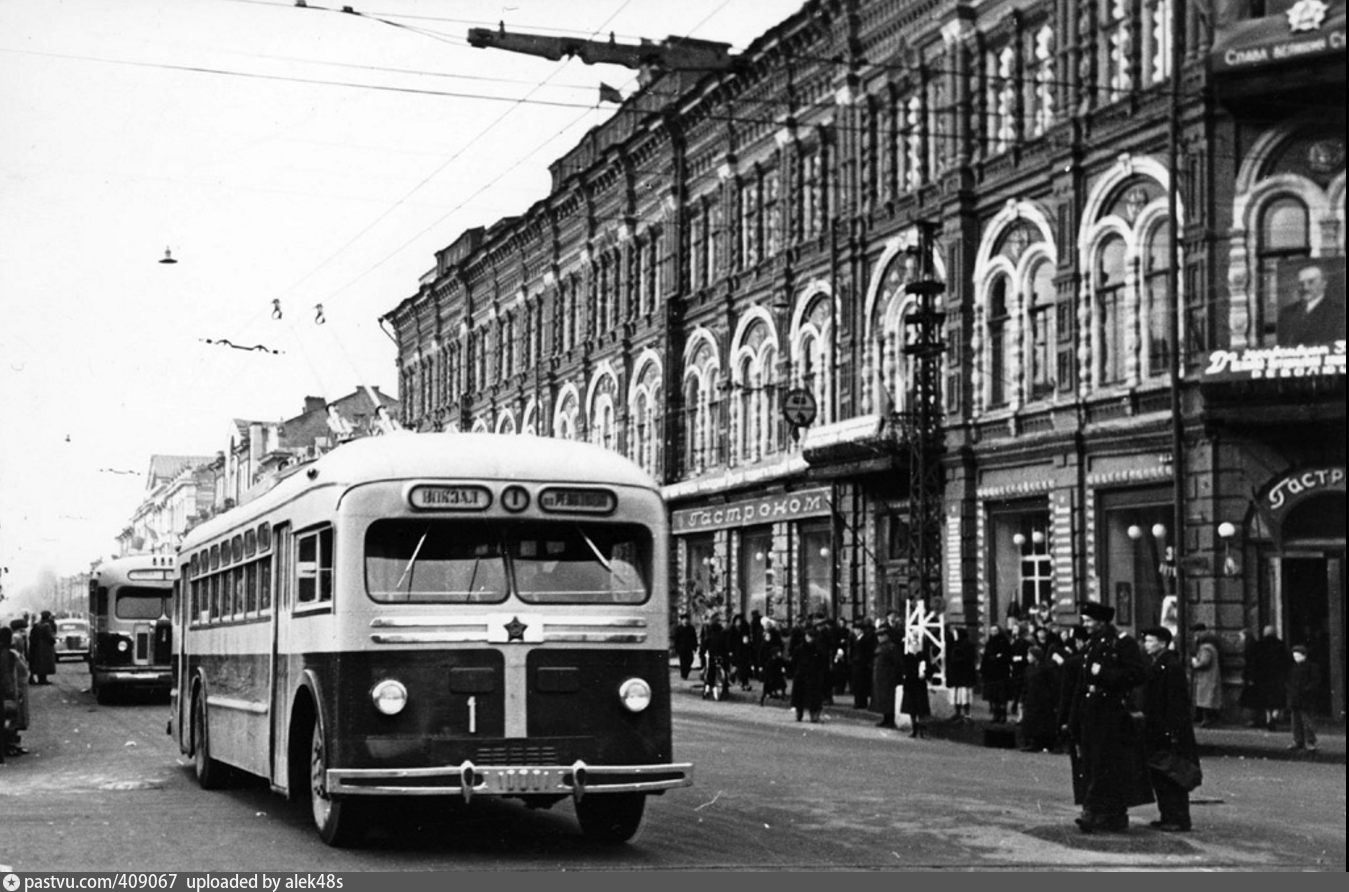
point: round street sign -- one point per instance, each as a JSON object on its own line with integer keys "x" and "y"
{"x": 798, "y": 407}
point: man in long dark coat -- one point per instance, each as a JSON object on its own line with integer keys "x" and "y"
{"x": 1271, "y": 675}
{"x": 860, "y": 656}
{"x": 42, "y": 649}
{"x": 810, "y": 674}
{"x": 1108, "y": 749}
{"x": 886, "y": 674}
{"x": 995, "y": 671}
{"x": 685, "y": 644}
{"x": 1167, "y": 726}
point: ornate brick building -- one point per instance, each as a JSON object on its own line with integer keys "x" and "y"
{"x": 729, "y": 236}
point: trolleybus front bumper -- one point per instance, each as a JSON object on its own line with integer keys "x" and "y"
{"x": 469, "y": 780}
{"x": 135, "y": 677}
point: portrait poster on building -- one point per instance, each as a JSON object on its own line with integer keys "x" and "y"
{"x": 1309, "y": 327}
{"x": 1311, "y": 301}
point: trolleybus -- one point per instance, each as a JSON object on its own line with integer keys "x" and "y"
{"x": 452, "y": 615}
{"x": 130, "y": 632}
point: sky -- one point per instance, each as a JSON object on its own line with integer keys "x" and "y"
{"x": 287, "y": 156}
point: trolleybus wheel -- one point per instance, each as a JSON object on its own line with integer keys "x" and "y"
{"x": 611, "y": 818}
{"x": 340, "y": 822}
{"x": 211, "y": 774}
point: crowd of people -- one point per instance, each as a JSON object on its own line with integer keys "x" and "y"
{"x": 27, "y": 657}
{"x": 1075, "y": 689}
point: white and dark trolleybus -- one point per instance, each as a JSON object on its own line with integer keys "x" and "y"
{"x": 454, "y": 615}
{"x": 129, "y": 628}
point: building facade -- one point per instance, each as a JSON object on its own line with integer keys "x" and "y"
{"x": 727, "y": 238}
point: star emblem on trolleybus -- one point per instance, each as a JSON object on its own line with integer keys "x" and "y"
{"x": 515, "y": 630}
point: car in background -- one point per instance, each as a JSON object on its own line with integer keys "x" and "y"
{"x": 72, "y": 639}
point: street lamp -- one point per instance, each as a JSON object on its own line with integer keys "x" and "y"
{"x": 1226, "y": 531}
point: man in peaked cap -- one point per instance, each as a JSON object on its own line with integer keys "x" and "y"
{"x": 1167, "y": 727}
{"x": 1109, "y": 774}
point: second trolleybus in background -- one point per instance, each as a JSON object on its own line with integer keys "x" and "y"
{"x": 129, "y": 628}
{"x": 454, "y": 615}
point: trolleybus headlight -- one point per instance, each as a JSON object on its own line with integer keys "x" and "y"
{"x": 635, "y": 694}
{"x": 123, "y": 646}
{"x": 390, "y": 696}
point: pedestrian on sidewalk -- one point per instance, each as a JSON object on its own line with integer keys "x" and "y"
{"x": 886, "y": 675}
{"x": 1167, "y": 727}
{"x": 1271, "y": 676}
{"x": 860, "y": 657}
{"x": 810, "y": 674}
{"x": 995, "y": 671}
{"x": 916, "y": 704}
{"x": 685, "y": 644}
{"x": 962, "y": 672}
{"x": 1304, "y": 681}
{"x": 13, "y": 695}
{"x": 1208, "y": 681}
{"x": 1108, "y": 755}
{"x": 1039, "y": 703}
{"x": 42, "y": 649}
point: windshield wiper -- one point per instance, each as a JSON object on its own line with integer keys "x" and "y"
{"x": 407, "y": 571}
{"x": 603, "y": 561}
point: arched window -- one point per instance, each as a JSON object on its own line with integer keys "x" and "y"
{"x": 1001, "y": 374}
{"x": 1040, "y": 328}
{"x": 1283, "y": 236}
{"x": 1110, "y": 322}
{"x": 1156, "y": 306}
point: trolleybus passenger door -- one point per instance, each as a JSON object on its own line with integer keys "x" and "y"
{"x": 283, "y": 574}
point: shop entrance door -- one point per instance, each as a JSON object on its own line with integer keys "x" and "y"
{"x": 1313, "y": 614}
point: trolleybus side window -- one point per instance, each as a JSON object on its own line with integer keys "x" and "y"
{"x": 314, "y": 567}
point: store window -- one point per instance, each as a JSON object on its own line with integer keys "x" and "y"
{"x": 702, "y": 576}
{"x": 1020, "y": 569}
{"x": 817, "y": 561}
{"x": 756, "y": 573}
{"x": 1135, "y": 563}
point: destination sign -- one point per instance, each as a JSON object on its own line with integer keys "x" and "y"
{"x": 161, "y": 575}
{"x": 559, "y": 500}
{"x": 450, "y": 498}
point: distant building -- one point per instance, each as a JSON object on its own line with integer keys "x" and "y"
{"x": 178, "y": 489}
{"x": 183, "y": 490}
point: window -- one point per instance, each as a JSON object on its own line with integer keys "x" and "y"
{"x": 251, "y": 588}
{"x": 580, "y": 563}
{"x": 1001, "y": 375}
{"x": 458, "y": 562}
{"x": 141, "y": 603}
{"x": 1156, "y": 278}
{"x": 314, "y": 567}
{"x": 1041, "y": 331}
{"x": 1283, "y": 235}
{"x": 1110, "y": 327}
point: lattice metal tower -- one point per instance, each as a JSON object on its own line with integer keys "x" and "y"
{"x": 924, "y": 345}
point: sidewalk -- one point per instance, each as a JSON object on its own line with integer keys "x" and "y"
{"x": 1230, "y": 741}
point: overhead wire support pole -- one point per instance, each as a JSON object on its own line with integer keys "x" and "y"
{"x": 924, "y": 346}
{"x": 1173, "y": 329}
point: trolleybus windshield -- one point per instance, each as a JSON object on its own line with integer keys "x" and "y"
{"x": 479, "y": 562}
{"x": 141, "y": 603}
